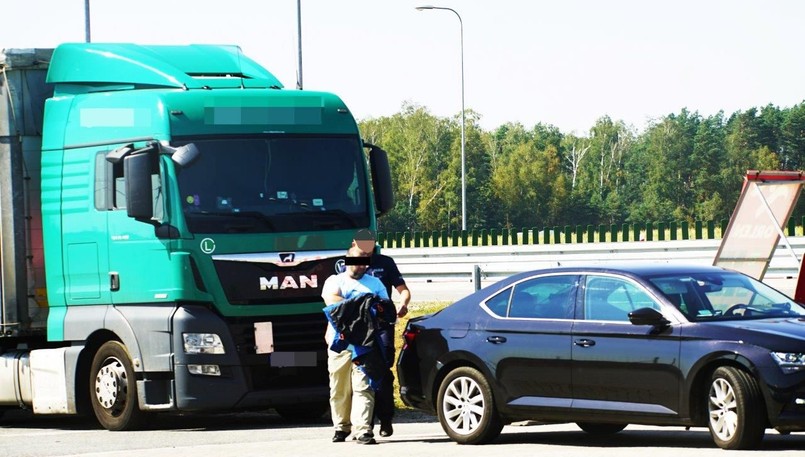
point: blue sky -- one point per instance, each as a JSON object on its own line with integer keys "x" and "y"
{"x": 564, "y": 63}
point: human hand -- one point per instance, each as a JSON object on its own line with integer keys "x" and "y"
{"x": 402, "y": 311}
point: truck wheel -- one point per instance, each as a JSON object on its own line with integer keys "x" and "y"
{"x": 113, "y": 388}
{"x": 735, "y": 406}
{"x": 466, "y": 407}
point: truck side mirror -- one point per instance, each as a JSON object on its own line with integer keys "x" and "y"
{"x": 381, "y": 179}
{"x": 139, "y": 198}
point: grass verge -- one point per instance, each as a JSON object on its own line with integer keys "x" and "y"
{"x": 414, "y": 310}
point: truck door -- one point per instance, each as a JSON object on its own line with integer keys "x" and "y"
{"x": 84, "y": 232}
{"x": 138, "y": 260}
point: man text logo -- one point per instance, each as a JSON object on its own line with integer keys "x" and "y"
{"x": 289, "y": 282}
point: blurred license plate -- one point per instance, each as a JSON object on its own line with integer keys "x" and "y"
{"x": 293, "y": 359}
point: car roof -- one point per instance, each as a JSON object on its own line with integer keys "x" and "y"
{"x": 634, "y": 269}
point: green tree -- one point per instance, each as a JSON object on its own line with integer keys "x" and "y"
{"x": 665, "y": 188}
{"x": 707, "y": 159}
{"x": 792, "y": 127}
{"x": 415, "y": 141}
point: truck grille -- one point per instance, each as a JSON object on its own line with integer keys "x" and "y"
{"x": 297, "y": 333}
{"x": 255, "y": 283}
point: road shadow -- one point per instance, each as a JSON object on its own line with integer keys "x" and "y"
{"x": 240, "y": 420}
{"x": 696, "y": 438}
{"x": 408, "y": 415}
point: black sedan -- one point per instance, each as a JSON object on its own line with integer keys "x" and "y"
{"x": 609, "y": 346}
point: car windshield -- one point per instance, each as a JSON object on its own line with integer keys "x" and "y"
{"x": 725, "y": 296}
{"x": 274, "y": 184}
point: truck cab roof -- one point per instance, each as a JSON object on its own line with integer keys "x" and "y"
{"x": 195, "y": 66}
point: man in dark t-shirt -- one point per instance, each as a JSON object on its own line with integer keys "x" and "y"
{"x": 384, "y": 268}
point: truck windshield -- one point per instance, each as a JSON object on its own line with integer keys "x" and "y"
{"x": 276, "y": 184}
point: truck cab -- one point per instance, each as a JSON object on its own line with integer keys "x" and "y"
{"x": 191, "y": 209}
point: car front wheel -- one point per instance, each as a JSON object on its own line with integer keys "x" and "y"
{"x": 466, "y": 407}
{"x": 736, "y": 411}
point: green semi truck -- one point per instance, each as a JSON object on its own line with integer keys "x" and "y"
{"x": 169, "y": 215}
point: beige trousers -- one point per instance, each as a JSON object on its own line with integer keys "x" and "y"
{"x": 352, "y": 399}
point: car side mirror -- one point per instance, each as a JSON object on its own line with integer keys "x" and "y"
{"x": 648, "y": 316}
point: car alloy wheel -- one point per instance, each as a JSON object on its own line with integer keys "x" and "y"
{"x": 723, "y": 415}
{"x": 466, "y": 407}
{"x": 735, "y": 407}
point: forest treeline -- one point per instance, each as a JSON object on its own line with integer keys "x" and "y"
{"x": 682, "y": 167}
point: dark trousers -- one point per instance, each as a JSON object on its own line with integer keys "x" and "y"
{"x": 384, "y": 396}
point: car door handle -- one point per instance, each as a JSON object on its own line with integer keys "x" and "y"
{"x": 584, "y": 342}
{"x": 496, "y": 339}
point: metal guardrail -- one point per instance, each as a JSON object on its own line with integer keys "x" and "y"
{"x": 496, "y": 262}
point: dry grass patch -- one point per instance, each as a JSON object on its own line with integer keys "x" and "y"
{"x": 414, "y": 309}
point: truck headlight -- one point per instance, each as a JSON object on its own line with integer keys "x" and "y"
{"x": 202, "y": 343}
{"x": 789, "y": 362}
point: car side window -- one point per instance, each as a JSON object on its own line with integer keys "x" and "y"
{"x": 500, "y": 302}
{"x": 612, "y": 299}
{"x": 546, "y": 297}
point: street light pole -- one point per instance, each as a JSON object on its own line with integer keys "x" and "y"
{"x": 463, "y": 156}
{"x": 299, "y": 45}
{"x": 86, "y": 21}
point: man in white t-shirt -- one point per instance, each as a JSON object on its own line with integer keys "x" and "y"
{"x": 351, "y": 396}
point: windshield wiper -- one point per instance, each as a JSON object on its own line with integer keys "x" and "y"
{"x": 288, "y": 203}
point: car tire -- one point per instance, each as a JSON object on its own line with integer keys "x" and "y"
{"x": 113, "y": 388}
{"x": 735, "y": 407}
{"x": 466, "y": 407}
{"x": 597, "y": 428}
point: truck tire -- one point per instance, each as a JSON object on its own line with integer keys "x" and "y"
{"x": 113, "y": 388}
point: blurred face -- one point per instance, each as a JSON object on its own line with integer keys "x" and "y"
{"x": 357, "y": 262}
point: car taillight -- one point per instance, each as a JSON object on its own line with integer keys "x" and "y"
{"x": 409, "y": 335}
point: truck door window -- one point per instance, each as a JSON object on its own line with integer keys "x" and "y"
{"x": 110, "y": 187}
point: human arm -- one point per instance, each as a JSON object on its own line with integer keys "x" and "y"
{"x": 405, "y": 298}
{"x": 332, "y": 298}
{"x": 331, "y": 291}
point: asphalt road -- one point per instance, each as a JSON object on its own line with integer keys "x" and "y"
{"x": 265, "y": 434}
